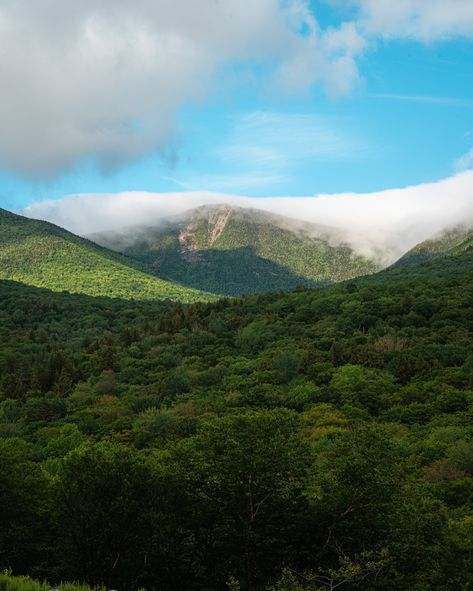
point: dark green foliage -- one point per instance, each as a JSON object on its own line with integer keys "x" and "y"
{"x": 240, "y": 480}
{"x": 290, "y": 442}
{"x": 103, "y": 503}
{"x": 23, "y": 504}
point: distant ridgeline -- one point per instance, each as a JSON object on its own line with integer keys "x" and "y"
{"x": 279, "y": 442}
{"x": 232, "y": 251}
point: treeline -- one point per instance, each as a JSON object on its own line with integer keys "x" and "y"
{"x": 285, "y": 442}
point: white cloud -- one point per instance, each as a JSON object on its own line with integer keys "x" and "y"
{"x": 328, "y": 56}
{"x": 105, "y": 79}
{"x": 449, "y": 101}
{"x": 428, "y": 20}
{"x": 393, "y": 220}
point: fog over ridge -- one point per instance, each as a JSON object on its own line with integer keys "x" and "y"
{"x": 390, "y": 221}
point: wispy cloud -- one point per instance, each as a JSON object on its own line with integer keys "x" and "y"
{"x": 227, "y": 182}
{"x": 425, "y": 20}
{"x": 465, "y": 162}
{"x": 267, "y": 139}
{"x": 432, "y": 99}
{"x": 266, "y": 149}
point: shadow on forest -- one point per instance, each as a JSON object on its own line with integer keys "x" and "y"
{"x": 230, "y": 272}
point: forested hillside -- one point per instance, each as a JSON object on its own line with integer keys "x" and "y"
{"x": 233, "y": 251}
{"x": 451, "y": 241}
{"x": 282, "y": 442}
{"x": 44, "y": 255}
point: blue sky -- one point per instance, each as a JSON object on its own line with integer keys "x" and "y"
{"x": 404, "y": 118}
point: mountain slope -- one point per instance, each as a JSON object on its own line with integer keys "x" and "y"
{"x": 234, "y": 251}
{"x": 465, "y": 246}
{"x": 451, "y": 241}
{"x": 44, "y": 255}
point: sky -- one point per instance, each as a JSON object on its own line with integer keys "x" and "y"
{"x": 260, "y": 99}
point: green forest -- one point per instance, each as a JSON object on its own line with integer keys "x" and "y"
{"x": 44, "y": 255}
{"x": 232, "y": 251}
{"x": 303, "y": 441}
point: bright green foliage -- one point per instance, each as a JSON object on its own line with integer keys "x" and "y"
{"x": 10, "y": 583}
{"x": 465, "y": 246}
{"x": 41, "y": 254}
{"x": 231, "y": 251}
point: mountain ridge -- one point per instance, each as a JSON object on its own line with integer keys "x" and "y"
{"x": 232, "y": 251}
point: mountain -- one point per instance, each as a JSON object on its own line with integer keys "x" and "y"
{"x": 41, "y": 254}
{"x": 232, "y": 251}
{"x": 451, "y": 241}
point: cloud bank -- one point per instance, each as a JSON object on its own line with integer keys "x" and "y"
{"x": 389, "y": 221}
{"x": 104, "y": 80}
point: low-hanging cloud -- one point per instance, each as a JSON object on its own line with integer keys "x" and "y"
{"x": 104, "y": 80}
{"x": 388, "y": 222}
